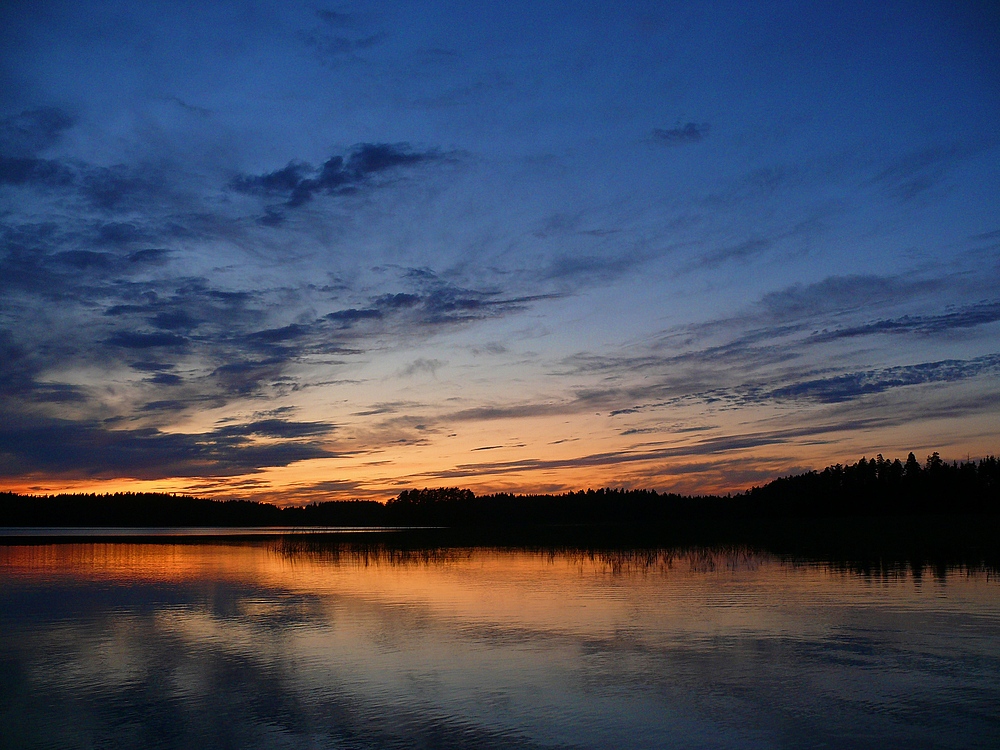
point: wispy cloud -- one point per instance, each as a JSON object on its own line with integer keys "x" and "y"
{"x": 298, "y": 182}
{"x": 691, "y": 132}
{"x": 421, "y": 366}
{"x": 852, "y": 385}
{"x": 968, "y": 316}
{"x": 910, "y": 175}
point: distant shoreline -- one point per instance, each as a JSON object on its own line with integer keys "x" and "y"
{"x": 866, "y": 489}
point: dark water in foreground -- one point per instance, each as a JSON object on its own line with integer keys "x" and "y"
{"x": 276, "y": 643}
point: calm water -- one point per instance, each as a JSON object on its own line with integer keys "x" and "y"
{"x": 274, "y": 643}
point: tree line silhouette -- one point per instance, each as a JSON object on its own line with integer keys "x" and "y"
{"x": 868, "y": 488}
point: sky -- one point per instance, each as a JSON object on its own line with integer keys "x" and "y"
{"x": 297, "y": 251}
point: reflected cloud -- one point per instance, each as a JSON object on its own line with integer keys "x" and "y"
{"x": 302, "y": 643}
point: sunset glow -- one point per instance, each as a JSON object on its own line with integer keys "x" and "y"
{"x": 295, "y": 253}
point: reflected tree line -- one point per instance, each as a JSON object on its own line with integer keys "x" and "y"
{"x": 866, "y": 489}
{"x": 958, "y": 546}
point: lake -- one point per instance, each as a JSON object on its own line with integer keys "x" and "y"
{"x": 361, "y": 642}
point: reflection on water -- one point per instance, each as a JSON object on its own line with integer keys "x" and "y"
{"x": 282, "y": 643}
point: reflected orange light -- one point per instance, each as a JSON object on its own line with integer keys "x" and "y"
{"x": 556, "y": 591}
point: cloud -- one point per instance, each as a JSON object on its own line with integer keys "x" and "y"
{"x": 151, "y": 366}
{"x": 692, "y": 132}
{"x": 248, "y": 377}
{"x": 279, "y": 335}
{"x": 123, "y": 308}
{"x": 843, "y": 294}
{"x": 437, "y": 302}
{"x": 777, "y": 350}
{"x": 853, "y": 385}
{"x": 135, "y": 340}
{"x": 32, "y": 131}
{"x": 120, "y": 187}
{"x": 421, "y": 366}
{"x": 391, "y": 407}
{"x": 969, "y": 316}
{"x": 662, "y": 456}
{"x": 114, "y": 188}
{"x": 298, "y": 182}
{"x": 593, "y": 267}
{"x": 166, "y": 378}
{"x": 21, "y": 379}
{"x": 907, "y": 176}
{"x": 489, "y": 412}
{"x": 708, "y": 447}
{"x": 89, "y": 449}
{"x": 743, "y": 252}
{"x": 347, "y": 318}
{"x": 276, "y": 428}
{"x": 15, "y": 170}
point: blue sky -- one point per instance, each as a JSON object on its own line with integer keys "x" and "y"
{"x": 301, "y": 251}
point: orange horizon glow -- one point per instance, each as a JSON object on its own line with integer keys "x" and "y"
{"x": 289, "y": 486}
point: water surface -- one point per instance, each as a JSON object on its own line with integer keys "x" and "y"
{"x": 289, "y": 644}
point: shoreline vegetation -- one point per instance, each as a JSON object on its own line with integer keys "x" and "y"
{"x": 876, "y": 488}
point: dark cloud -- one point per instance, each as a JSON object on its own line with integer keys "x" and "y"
{"x": 397, "y": 301}
{"x": 692, "y": 132}
{"x": 17, "y": 170}
{"x": 249, "y": 376}
{"x": 278, "y": 335}
{"x": 107, "y": 189}
{"x": 33, "y": 131}
{"x": 347, "y": 318}
{"x": 298, "y": 182}
{"x": 151, "y": 366}
{"x": 801, "y": 309}
{"x": 19, "y": 372}
{"x": 57, "y": 393}
{"x": 583, "y": 267}
{"x": 452, "y": 305}
{"x": 393, "y": 407}
{"x": 439, "y": 302}
{"x": 120, "y": 233}
{"x": 174, "y": 320}
{"x": 853, "y": 385}
{"x": 222, "y": 337}
{"x": 90, "y": 449}
{"x": 969, "y": 316}
{"x": 673, "y": 381}
{"x": 166, "y": 378}
{"x": 120, "y": 187}
{"x": 276, "y": 428}
{"x": 770, "y": 354}
{"x": 271, "y": 218}
{"x": 136, "y": 340}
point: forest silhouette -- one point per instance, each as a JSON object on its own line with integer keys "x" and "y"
{"x": 869, "y": 488}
